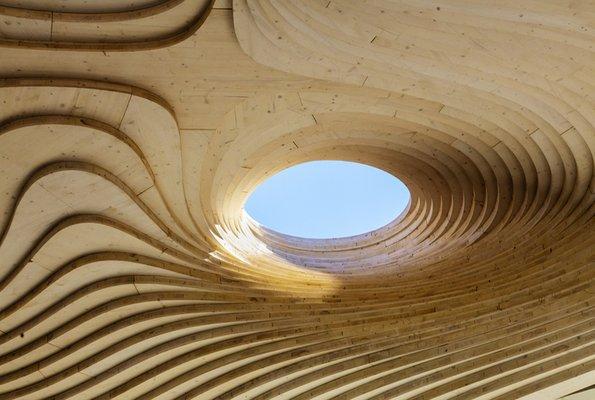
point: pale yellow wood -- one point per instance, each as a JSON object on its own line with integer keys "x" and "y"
{"x": 90, "y": 27}
{"x": 132, "y": 133}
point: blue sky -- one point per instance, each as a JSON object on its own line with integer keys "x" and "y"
{"x": 328, "y": 199}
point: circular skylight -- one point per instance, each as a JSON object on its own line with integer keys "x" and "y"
{"x": 328, "y": 199}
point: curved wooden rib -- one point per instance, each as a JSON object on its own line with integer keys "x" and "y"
{"x": 129, "y": 270}
{"x": 81, "y": 11}
{"x": 154, "y": 26}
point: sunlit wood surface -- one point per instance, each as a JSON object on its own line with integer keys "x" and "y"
{"x": 131, "y": 134}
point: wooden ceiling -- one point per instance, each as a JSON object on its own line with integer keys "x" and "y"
{"x": 131, "y": 133}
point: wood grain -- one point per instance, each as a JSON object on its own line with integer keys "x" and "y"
{"x": 129, "y": 269}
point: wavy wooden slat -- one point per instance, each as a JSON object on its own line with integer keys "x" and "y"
{"x": 140, "y": 27}
{"x": 129, "y": 270}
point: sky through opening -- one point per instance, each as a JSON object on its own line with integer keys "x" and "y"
{"x": 328, "y": 199}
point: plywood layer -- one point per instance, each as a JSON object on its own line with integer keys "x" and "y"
{"x": 129, "y": 270}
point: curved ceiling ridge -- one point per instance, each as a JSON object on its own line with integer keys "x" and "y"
{"x": 152, "y": 26}
{"x": 130, "y": 270}
{"x": 130, "y": 11}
